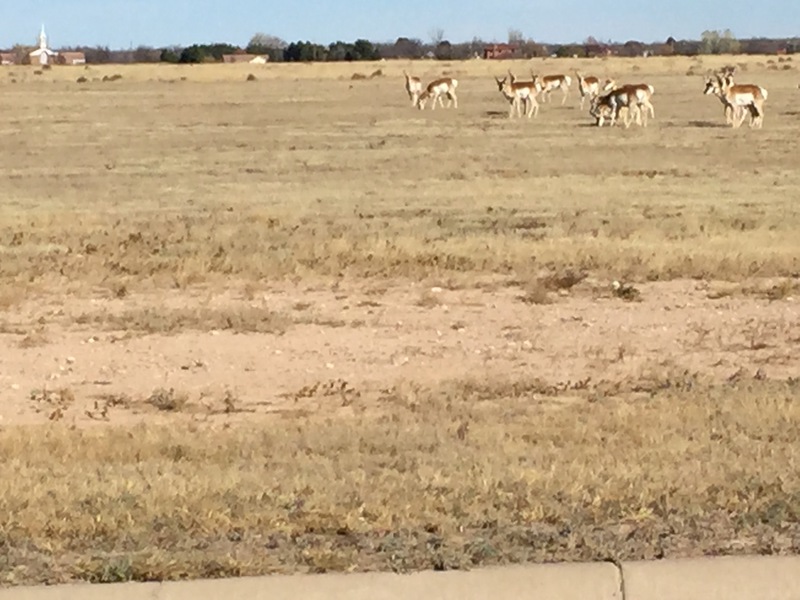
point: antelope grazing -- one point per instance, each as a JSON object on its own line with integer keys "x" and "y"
{"x": 589, "y": 87}
{"x": 549, "y": 83}
{"x": 413, "y": 87}
{"x": 631, "y": 97}
{"x": 738, "y": 98}
{"x": 519, "y": 94}
{"x": 446, "y": 86}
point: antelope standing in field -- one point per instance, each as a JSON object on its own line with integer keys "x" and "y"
{"x": 737, "y": 99}
{"x": 634, "y": 98}
{"x": 446, "y": 86}
{"x": 519, "y": 94}
{"x": 413, "y": 87}
{"x": 549, "y": 83}
{"x": 589, "y": 87}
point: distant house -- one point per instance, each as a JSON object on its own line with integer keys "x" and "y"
{"x": 71, "y": 58}
{"x": 597, "y": 50}
{"x": 253, "y": 59}
{"x": 501, "y": 51}
{"x": 7, "y": 58}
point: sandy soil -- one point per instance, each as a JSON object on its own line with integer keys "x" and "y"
{"x": 366, "y": 339}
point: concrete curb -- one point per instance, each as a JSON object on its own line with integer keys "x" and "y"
{"x": 728, "y": 578}
{"x": 722, "y": 578}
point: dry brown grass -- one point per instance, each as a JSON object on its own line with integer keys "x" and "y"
{"x": 160, "y": 320}
{"x": 138, "y": 200}
{"x": 468, "y": 473}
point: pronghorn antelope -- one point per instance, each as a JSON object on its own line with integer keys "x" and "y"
{"x": 738, "y": 98}
{"x": 519, "y": 94}
{"x": 631, "y": 97}
{"x": 549, "y": 83}
{"x": 446, "y": 86}
{"x": 413, "y": 87}
{"x": 712, "y": 87}
{"x": 589, "y": 87}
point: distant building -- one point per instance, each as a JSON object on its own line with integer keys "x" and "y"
{"x": 501, "y": 51}
{"x": 71, "y": 58}
{"x": 6, "y": 58}
{"x": 42, "y": 55}
{"x": 254, "y": 59}
{"x": 597, "y": 50}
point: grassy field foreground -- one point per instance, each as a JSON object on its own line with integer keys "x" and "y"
{"x": 461, "y": 475}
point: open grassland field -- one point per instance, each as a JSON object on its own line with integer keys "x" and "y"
{"x": 292, "y": 324}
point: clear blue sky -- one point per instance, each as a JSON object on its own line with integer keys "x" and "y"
{"x": 122, "y": 23}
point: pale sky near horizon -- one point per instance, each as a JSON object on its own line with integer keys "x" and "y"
{"x": 130, "y": 23}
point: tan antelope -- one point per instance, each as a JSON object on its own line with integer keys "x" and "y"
{"x": 549, "y": 83}
{"x": 446, "y": 86}
{"x": 715, "y": 88}
{"x": 634, "y": 98}
{"x": 738, "y": 99}
{"x": 519, "y": 94}
{"x": 413, "y": 87}
{"x": 590, "y": 87}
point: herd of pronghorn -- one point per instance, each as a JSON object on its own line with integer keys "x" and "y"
{"x": 607, "y": 99}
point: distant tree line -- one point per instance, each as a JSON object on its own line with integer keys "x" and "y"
{"x": 437, "y": 47}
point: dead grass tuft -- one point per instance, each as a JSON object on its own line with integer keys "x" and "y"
{"x": 54, "y": 403}
{"x": 536, "y": 292}
{"x": 429, "y": 299}
{"x": 168, "y": 400}
{"x": 240, "y": 319}
{"x": 34, "y": 339}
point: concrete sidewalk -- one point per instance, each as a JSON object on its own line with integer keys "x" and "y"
{"x": 728, "y": 578}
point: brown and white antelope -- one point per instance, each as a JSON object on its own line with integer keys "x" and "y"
{"x": 738, "y": 99}
{"x": 446, "y": 86}
{"x": 550, "y": 83}
{"x": 413, "y": 87}
{"x": 590, "y": 87}
{"x": 519, "y": 94}
{"x": 635, "y": 98}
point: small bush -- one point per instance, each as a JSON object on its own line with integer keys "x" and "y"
{"x": 168, "y": 400}
{"x": 251, "y": 77}
{"x": 81, "y": 79}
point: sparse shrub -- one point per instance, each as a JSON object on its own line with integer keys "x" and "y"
{"x": 429, "y": 299}
{"x": 536, "y": 293}
{"x": 168, "y": 400}
{"x": 34, "y": 339}
{"x": 37, "y": 72}
{"x": 251, "y": 77}
{"x": 81, "y": 79}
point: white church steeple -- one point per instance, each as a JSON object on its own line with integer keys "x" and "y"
{"x": 42, "y": 54}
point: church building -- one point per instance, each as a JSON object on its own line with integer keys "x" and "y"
{"x": 42, "y": 55}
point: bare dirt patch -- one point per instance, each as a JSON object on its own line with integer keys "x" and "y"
{"x": 410, "y": 332}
